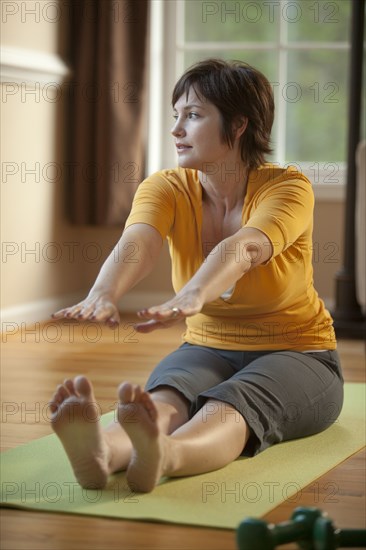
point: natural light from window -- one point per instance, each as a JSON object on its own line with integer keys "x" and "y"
{"x": 302, "y": 46}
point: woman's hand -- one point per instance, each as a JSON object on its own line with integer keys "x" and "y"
{"x": 99, "y": 309}
{"x": 168, "y": 314}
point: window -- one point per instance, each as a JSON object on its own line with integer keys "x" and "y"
{"x": 301, "y": 46}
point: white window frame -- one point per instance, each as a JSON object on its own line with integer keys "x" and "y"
{"x": 167, "y": 50}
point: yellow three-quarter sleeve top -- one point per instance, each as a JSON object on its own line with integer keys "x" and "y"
{"x": 275, "y": 305}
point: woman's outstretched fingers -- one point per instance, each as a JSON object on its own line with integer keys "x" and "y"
{"x": 97, "y": 310}
{"x": 163, "y": 312}
{"x": 158, "y": 318}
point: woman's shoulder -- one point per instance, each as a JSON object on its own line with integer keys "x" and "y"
{"x": 273, "y": 178}
{"x": 274, "y": 173}
{"x": 178, "y": 180}
{"x": 174, "y": 175}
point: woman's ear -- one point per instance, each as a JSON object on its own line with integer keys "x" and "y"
{"x": 240, "y": 125}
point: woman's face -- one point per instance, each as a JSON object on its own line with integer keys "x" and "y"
{"x": 197, "y": 133}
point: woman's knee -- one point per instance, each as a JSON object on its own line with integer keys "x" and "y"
{"x": 319, "y": 415}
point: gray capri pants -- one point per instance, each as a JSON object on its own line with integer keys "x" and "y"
{"x": 281, "y": 395}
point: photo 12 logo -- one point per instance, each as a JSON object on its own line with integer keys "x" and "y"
{"x": 269, "y": 11}
{"x": 28, "y": 11}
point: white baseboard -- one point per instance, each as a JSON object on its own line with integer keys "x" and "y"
{"x": 41, "y": 310}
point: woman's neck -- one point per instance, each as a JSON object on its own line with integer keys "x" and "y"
{"x": 225, "y": 185}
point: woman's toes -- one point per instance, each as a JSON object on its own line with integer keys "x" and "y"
{"x": 83, "y": 386}
{"x": 53, "y": 404}
{"x": 69, "y": 385}
{"x": 125, "y": 392}
{"x": 60, "y": 395}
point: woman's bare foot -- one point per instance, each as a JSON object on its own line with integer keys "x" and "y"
{"x": 75, "y": 419}
{"x": 138, "y": 416}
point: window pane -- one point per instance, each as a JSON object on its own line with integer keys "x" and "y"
{"x": 316, "y": 104}
{"x": 319, "y": 20}
{"x": 230, "y": 21}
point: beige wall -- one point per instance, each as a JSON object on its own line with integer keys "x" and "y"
{"x": 46, "y": 258}
{"x": 43, "y": 256}
{"x": 36, "y": 262}
{"x": 33, "y": 26}
{"x": 328, "y": 246}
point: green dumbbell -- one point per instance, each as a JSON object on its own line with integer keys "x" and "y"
{"x": 327, "y": 537}
{"x": 256, "y": 534}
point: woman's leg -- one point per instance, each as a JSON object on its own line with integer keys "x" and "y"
{"x": 281, "y": 396}
{"x": 284, "y": 395}
{"x": 214, "y": 437}
{"x": 172, "y": 412}
{"x": 94, "y": 452}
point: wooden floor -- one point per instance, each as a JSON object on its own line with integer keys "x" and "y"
{"x": 34, "y": 362}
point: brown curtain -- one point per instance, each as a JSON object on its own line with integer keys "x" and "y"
{"x": 108, "y": 54}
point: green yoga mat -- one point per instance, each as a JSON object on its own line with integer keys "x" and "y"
{"x": 37, "y": 476}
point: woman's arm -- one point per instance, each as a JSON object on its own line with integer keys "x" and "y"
{"x": 223, "y": 267}
{"x": 131, "y": 260}
{"x": 228, "y": 262}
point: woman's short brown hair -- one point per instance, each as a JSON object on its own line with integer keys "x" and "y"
{"x": 237, "y": 90}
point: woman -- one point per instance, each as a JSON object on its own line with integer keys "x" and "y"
{"x": 258, "y": 364}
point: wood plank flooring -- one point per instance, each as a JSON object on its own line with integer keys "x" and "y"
{"x": 34, "y": 361}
